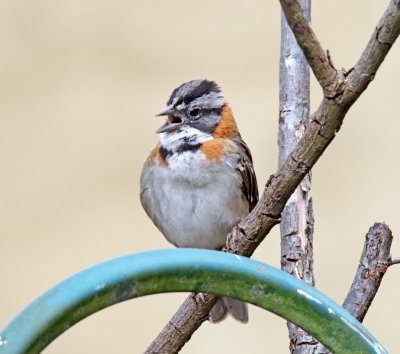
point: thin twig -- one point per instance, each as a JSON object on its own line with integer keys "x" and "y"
{"x": 320, "y": 132}
{"x": 395, "y": 260}
{"x": 374, "y": 262}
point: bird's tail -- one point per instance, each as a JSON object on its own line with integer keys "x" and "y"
{"x": 237, "y": 309}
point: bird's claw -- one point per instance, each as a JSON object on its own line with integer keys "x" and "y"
{"x": 201, "y": 297}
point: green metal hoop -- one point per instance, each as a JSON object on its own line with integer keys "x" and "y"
{"x": 182, "y": 270}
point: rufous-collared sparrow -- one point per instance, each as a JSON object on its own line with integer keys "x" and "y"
{"x": 199, "y": 180}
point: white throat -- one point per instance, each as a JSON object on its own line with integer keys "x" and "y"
{"x": 186, "y": 135}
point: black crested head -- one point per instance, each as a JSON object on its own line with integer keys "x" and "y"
{"x": 188, "y": 91}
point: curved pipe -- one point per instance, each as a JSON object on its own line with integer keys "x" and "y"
{"x": 179, "y": 270}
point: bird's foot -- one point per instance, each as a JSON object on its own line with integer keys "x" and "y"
{"x": 201, "y": 297}
{"x": 234, "y": 232}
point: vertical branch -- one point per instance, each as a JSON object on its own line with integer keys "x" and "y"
{"x": 297, "y": 217}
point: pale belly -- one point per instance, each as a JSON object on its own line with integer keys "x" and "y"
{"x": 190, "y": 213}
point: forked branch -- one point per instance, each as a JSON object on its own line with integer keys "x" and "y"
{"x": 326, "y": 121}
{"x": 319, "y": 60}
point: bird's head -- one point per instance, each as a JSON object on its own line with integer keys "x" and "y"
{"x": 195, "y": 104}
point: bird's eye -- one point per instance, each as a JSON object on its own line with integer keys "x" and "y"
{"x": 195, "y": 112}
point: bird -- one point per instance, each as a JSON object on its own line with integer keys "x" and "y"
{"x": 199, "y": 180}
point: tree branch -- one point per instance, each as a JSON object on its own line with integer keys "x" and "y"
{"x": 321, "y": 131}
{"x": 374, "y": 262}
{"x": 297, "y": 223}
{"x": 319, "y": 61}
{"x": 190, "y": 316}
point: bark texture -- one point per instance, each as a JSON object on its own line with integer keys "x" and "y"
{"x": 374, "y": 262}
{"x": 325, "y": 123}
{"x": 297, "y": 218}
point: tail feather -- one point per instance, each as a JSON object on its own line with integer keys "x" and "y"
{"x": 237, "y": 309}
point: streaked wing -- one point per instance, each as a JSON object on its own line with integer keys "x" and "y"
{"x": 246, "y": 171}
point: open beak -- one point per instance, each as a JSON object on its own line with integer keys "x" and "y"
{"x": 173, "y": 121}
{"x": 166, "y": 111}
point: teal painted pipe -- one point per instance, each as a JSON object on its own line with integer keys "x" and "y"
{"x": 180, "y": 270}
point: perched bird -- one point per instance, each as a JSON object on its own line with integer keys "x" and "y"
{"x": 199, "y": 181}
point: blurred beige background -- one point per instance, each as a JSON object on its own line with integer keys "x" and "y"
{"x": 80, "y": 84}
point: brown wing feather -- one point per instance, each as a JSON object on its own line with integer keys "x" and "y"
{"x": 245, "y": 169}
